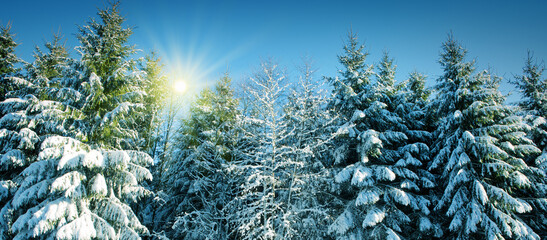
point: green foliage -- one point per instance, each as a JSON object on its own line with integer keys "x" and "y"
{"x": 155, "y": 84}
{"x": 58, "y": 176}
{"x": 115, "y": 88}
{"x": 480, "y": 155}
{"x": 7, "y": 52}
{"x": 533, "y": 87}
{"x": 8, "y": 61}
{"x": 51, "y": 64}
{"x": 104, "y": 46}
{"x": 195, "y": 177}
{"x": 355, "y": 78}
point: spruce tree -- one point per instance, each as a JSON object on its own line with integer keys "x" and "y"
{"x": 196, "y": 178}
{"x": 155, "y": 84}
{"x": 349, "y": 92}
{"x": 479, "y": 154}
{"x": 8, "y": 59}
{"x": 57, "y": 179}
{"x": 112, "y": 82}
{"x": 53, "y": 184}
{"x": 8, "y": 62}
{"x": 259, "y": 170}
{"x": 308, "y": 202}
{"x": 51, "y": 64}
{"x": 382, "y": 177}
{"x": 533, "y": 88}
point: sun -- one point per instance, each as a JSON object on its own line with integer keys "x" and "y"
{"x": 179, "y": 86}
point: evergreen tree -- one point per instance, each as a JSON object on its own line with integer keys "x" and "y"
{"x": 479, "y": 154}
{"x": 347, "y": 99}
{"x": 382, "y": 181}
{"x": 53, "y": 185}
{"x": 533, "y": 87}
{"x": 112, "y": 83}
{"x": 355, "y": 79}
{"x": 196, "y": 176}
{"x": 51, "y": 64}
{"x": 57, "y": 181}
{"x": 308, "y": 203}
{"x": 155, "y": 85}
{"x": 411, "y": 103}
{"x": 256, "y": 211}
{"x": 8, "y": 61}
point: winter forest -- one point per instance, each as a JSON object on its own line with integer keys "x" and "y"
{"x": 92, "y": 148}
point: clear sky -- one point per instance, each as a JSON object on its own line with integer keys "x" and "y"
{"x": 200, "y": 40}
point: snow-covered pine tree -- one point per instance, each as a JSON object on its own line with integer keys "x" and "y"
{"x": 195, "y": 177}
{"x": 411, "y": 104}
{"x": 479, "y": 154}
{"x": 53, "y": 185}
{"x": 8, "y": 61}
{"x": 60, "y": 183}
{"x": 261, "y": 171}
{"x": 156, "y": 85}
{"x": 308, "y": 202}
{"x": 533, "y": 87}
{"x": 382, "y": 179}
{"x": 115, "y": 85}
{"x": 346, "y": 101}
{"x": 51, "y": 64}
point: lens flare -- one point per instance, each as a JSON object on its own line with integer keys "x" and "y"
{"x": 179, "y": 86}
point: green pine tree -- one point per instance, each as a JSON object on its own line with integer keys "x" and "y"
{"x": 479, "y": 154}
{"x": 8, "y": 62}
{"x": 196, "y": 179}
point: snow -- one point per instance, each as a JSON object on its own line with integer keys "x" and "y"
{"x": 119, "y": 112}
{"x": 362, "y": 176}
{"x": 117, "y": 159}
{"x": 15, "y": 120}
{"x": 71, "y": 161}
{"x": 456, "y": 222}
{"x": 425, "y": 224}
{"x": 384, "y": 173}
{"x": 539, "y": 121}
{"x": 6, "y": 186}
{"x": 541, "y": 161}
{"x": 408, "y": 160}
{"x": 457, "y": 114}
{"x": 473, "y": 218}
{"x": 70, "y": 184}
{"x": 12, "y": 159}
{"x": 345, "y": 174}
{"x": 513, "y": 203}
{"x": 373, "y": 217}
{"x": 358, "y": 114}
{"x": 81, "y": 228}
{"x": 366, "y": 197}
{"x": 25, "y": 195}
{"x": 480, "y": 192}
{"x": 520, "y": 180}
{"x": 400, "y": 196}
{"x": 12, "y": 105}
{"x": 93, "y": 159}
{"x": 342, "y": 224}
{"x": 41, "y": 221}
{"x": 391, "y": 235}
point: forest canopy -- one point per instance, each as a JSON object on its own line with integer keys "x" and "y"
{"x": 96, "y": 147}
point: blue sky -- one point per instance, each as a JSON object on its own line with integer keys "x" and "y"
{"x": 200, "y": 40}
